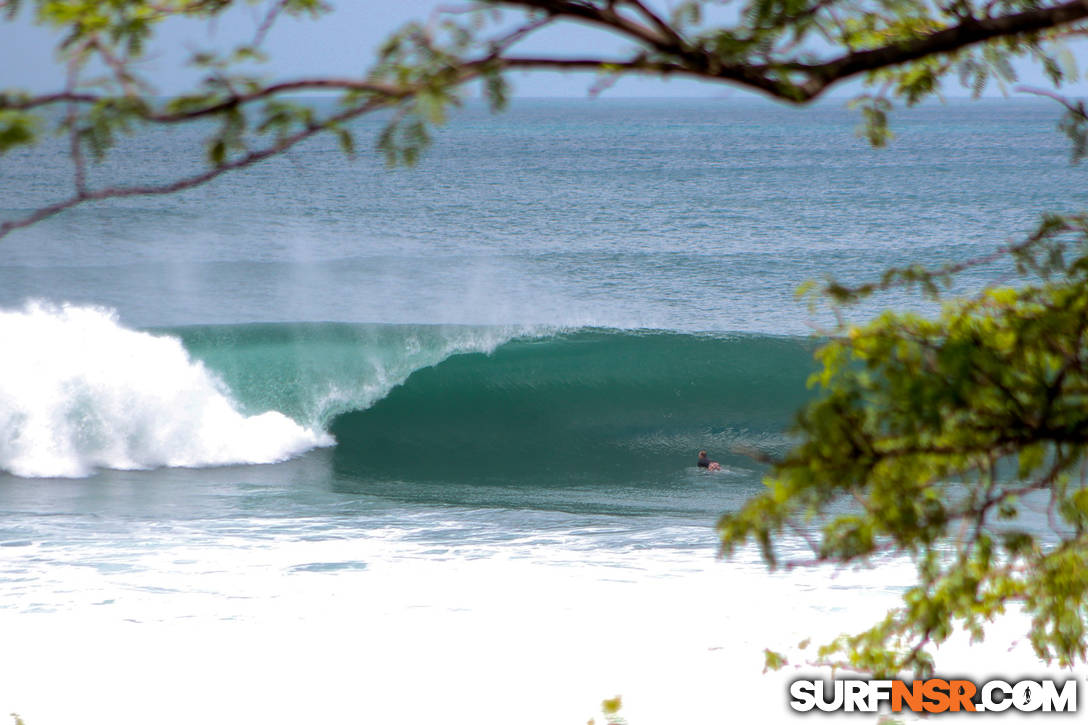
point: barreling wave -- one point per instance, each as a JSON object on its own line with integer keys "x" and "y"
{"x": 78, "y": 391}
{"x": 581, "y": 406}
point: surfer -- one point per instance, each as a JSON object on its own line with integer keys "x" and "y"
{"x": 708, "y": 464}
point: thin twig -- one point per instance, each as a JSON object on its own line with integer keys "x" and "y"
{"x": 266, "y": 24}
{"x": 249, "y": 159}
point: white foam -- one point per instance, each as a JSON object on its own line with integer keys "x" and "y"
{"x": 535, "y": 632}
{"x": 78, "y": 391}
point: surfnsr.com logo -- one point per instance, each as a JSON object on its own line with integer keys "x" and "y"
{"x": 934, "y": 696}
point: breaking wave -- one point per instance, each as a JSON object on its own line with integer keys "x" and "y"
{"x": 79, "y": 391}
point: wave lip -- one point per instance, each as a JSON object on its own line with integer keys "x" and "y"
{"x": 315, "y": 371}
{"x": 78, "y": 391}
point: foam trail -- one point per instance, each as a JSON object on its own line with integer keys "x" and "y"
{"x": 78, "y": 391}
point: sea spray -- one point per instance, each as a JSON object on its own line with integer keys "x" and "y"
{"x": 315, "y": 371}
{"x": 78, "y": 391}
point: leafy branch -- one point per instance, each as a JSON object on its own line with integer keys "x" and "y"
{"x": 774, "y": 47}
{"x": 936, "y": 433}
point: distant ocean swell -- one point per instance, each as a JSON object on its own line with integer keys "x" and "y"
{"x": 79, "y": 391}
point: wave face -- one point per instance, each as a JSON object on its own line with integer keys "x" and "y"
{"x": 580, "y": 407}
{"x": 312, "y": 372}
{"x": 78, "y": 392}
{"x": 401, "y": 402}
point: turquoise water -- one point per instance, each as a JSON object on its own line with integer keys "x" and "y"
{"x": 450, "y": 413}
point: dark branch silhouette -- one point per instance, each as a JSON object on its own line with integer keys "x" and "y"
{"x": 661, "y": 48}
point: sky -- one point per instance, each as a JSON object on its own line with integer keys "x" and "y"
{"x": 345, "y": 41}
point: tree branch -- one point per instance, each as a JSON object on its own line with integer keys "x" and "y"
{"x": 969, "y": 32}
{"x": 662, "y": 51}
{"x": 248, "y": 159}
{"x": 772, "y": 78}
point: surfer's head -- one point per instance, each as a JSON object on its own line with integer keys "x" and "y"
{"x": 702, "y": 454}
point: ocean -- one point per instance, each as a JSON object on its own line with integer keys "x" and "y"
{"x": 327, "y": 442}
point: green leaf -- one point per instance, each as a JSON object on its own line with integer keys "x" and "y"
{"x": 217, "y": 152}
{"x": 17, "y": 128}
{"x": 347, "y": 141}
{"x": 773, "y": 660}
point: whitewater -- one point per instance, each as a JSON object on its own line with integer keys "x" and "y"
{"x": 325, "y": 442}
